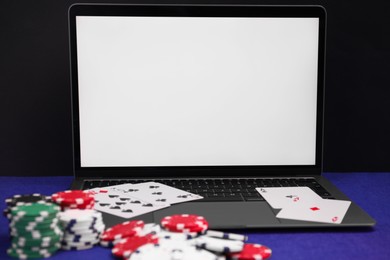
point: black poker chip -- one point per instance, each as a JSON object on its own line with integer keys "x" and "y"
{"x": 19, "y": 200}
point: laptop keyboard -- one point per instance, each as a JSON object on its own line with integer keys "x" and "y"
{"x": 223, "y": 189}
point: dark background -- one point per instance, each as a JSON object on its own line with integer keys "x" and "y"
{"x": 35, "y": 106}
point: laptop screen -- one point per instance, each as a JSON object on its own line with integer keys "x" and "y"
{"x": 196, "y": 91}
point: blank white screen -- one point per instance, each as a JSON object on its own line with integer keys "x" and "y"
{"x": 180, "y": 91}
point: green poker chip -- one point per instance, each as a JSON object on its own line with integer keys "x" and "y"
{"x": 42, "y": 244}
{"x": 26, "y": 253}
{"x": 36, "y": 234}
{"x": 49, "y": 248}
{"x": 31, "y": 219}
{"x": 33, "y": 222}
{"x": 32, "y": 242}
{"x": 37, "y": 248}
{"x": 31, "y": 227}
{"x": 34, "y": 210}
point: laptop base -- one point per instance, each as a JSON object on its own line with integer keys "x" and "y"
{"x": 246, "y": 215}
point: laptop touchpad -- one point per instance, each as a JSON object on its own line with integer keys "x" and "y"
{"x": 225, "y": 215}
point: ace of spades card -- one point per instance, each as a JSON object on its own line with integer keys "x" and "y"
{"x": 157, "y": 193}
{"x": 122, "y": 205}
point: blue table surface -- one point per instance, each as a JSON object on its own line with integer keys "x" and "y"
{"x": 369, "y": 190}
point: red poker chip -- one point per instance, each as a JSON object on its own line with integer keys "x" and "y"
{"x": 123, "y": 230}
{"x": 124, "y": 248}
{"x": 252, "y": 252}
{"x": 185, "y": 223}
{"x": 65, "y": 206}
{"x": 78, "y": 206}
{"x": 198, "y": 229}
{"x": 78, "y": 197}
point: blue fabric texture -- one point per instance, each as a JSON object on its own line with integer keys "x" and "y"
{"x": 369, "y": 190}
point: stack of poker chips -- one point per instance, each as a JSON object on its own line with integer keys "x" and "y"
{"x": 82, "y": 228}
{"x": 34, "y": 229}
{"x": 74, "y": 199}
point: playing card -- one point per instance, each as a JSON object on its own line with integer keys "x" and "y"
{"x": 120, "y": 204}
{"x": 280, "y": 197}
{"x": 326, "y": 211}
{"x": 157, "y": 193}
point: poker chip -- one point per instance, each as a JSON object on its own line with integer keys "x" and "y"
{"x": 185, "y": 223}
{"x": 28, "y": 253}
{"x": 167, "y": 249}
{"x": 18, "y": 200}
{"x": 38, "y": 248}
{"x": 231, "y": 236}
{"x": 74, "y": 199}
{"x": 164, "y": 234}
{"x": 71, "y": 243}
{"x": 23, "y": 223}
{"x": 89, "y": 231}
{"x": 252, "y": 252}
{"x": 79, "y": 217}
{"x": 128, "y": 245}
{"x": 108, "y": 243}
{"x": 125, "y": 229}
{"x": 150, "y": 228}
{"x": 39, "y": 242}
{"x": 34, "y": 229}
{"x": 219, "y": 245}
{"x": 32, "y": 220}
{"x": 81, "y": 238}
{"x": 34, "y": 210}
{"x": 79, "y": 247}
{"x": 35, "y": 234}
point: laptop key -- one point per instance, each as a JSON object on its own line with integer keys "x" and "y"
{"x": 105, "y": 183}
{"x": 115, "y": 182}
{"x": 215, "y": 195}
{"x": 90, "y": 184}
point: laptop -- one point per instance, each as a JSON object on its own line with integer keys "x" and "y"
{"x": 213, "y": 99}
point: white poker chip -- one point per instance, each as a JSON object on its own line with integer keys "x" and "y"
{"x": 109, "y": 243}
{"x": 79, "y": 238}
{"x": 170, "y": 249}
{"x": 86, "y": 229}
{"x": 80, "y": 215}
{"x": 150, "y": 228}
{"x": 80, "y": 247}
{"x": 231, "y": 236}
{"x": 163, "y": 234}
{"x": 71, "y": 243}
{"x": 149, "y": 252}
{"x": 77, "y": 227}
{"x": 219, "y": 245}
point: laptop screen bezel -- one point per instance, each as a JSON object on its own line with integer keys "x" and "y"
{"x": 196, "y": 11}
